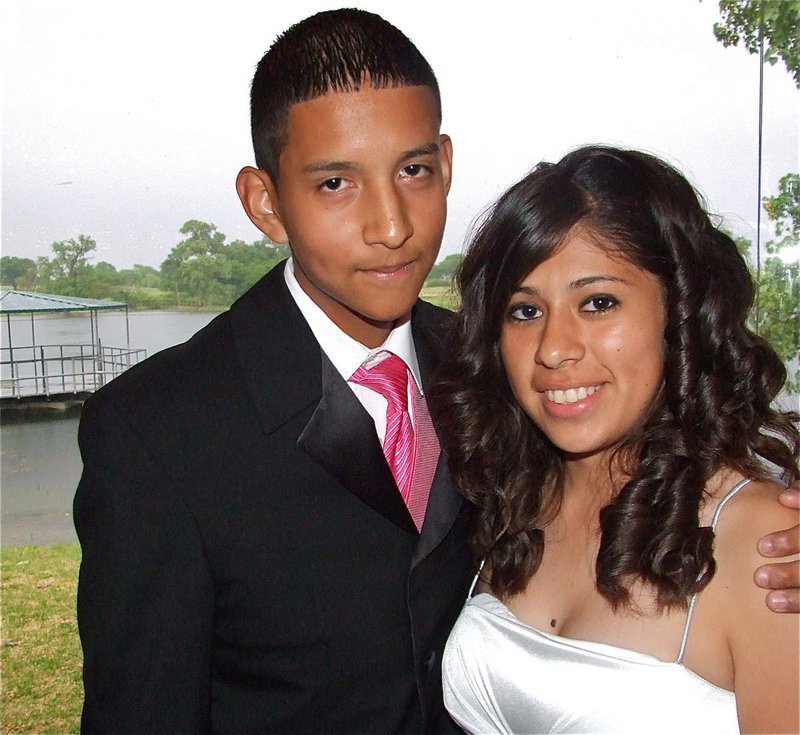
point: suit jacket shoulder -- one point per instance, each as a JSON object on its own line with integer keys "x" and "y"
{"x": 262, "y": 336}
{"x": 431, "y": 320}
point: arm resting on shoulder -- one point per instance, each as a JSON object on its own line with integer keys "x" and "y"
{"x": 763, "y": 645}
{"x": 782, "y": 579}
{"x": 145, "y": 594}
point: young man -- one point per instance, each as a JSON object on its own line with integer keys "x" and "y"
{"x": 271, "y": 539}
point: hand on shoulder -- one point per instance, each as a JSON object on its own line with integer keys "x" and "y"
{"x": 763, "y": 645}
{"x": 782, "y": 577}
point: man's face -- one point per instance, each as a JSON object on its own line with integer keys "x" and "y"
{"x": 362, "y": 194}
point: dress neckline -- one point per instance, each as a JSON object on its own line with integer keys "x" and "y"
{"x": 628, "y": 654}
{"x": 493, "y": 605}
{"x": 488, "y": 603}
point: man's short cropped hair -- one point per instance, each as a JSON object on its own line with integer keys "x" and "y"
{"x": 335, "y": 50}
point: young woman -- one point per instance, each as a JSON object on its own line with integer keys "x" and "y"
{"x": 608, "y": 412}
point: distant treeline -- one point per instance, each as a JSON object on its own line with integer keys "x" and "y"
{"x": 201, "y": 271}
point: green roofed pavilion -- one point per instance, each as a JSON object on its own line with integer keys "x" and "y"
{"x": 25, "y": 302}
{"x": 37, "y": 371}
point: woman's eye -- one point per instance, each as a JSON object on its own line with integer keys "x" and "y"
{"x": 600, "y": 303}
{"x": 524, "y": 312}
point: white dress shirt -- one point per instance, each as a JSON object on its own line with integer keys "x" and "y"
{"x": 347, "y": 354}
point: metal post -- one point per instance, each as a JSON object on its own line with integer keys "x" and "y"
{"x": 33, "y": 355}
{"x": 91, "y": 326}
{"x": 101, "y": 377}
{"x": 45, "y": 387}
{"x": 14, "y": 386}
{"x": 98, "y": 366}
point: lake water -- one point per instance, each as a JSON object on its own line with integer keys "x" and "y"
{"x": 39, "y": 460}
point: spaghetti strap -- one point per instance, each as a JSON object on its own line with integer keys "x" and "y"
{"x": 476, "y": 578}
{"x": 735, "y": 489}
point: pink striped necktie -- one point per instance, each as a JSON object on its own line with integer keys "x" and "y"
{"x": 390, "y": 378}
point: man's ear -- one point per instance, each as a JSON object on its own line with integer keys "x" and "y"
{"x": 259, "y": 199}
{"x": 446, "y": 160}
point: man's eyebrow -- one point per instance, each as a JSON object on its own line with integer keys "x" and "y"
{"x": 333, "y": 166}
{"x": 321, "y": 166}
{"x": 425, "y": 150}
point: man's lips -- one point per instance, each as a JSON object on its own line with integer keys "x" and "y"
{"x": 389, "y": 269}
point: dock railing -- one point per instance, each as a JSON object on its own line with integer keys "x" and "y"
{"x": 48, "y": 370}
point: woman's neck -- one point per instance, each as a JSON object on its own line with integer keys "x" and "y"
{"x": 590, "y": 483}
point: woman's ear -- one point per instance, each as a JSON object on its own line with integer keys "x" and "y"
{"x": 259, "y": 199}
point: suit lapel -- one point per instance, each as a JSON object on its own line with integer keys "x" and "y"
{"x": 277, "y": 351}
{"x": 286, "y": 372}
{"x": 341, "y": 436}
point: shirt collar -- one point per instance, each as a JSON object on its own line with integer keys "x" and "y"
{"x": 343, "y": 351}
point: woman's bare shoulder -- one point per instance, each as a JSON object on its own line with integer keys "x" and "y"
{"x": 762, "y": 643}
{"x": 751, "y": 513}
{"x": 753, "y": 507}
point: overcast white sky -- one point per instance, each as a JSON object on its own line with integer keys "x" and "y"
{"x": 122, "y": 121}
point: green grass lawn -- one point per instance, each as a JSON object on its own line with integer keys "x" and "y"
{"x": 40, "y": 657}
{"x": 441, "y": 296}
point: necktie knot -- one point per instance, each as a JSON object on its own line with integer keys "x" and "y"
{"x": 389, "y": 378}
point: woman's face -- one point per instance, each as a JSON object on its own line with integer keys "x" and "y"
{"x": 582, "y": 345}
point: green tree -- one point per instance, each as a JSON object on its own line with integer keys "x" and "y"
{"x": 70, "y": 261}
{"x": 192, "y": 266}
{"x": 778, "y": 314}
{"x": 207, "y": 271}
{"x": 442, "y": 273}
{"x": 201, "y": 269}
{"x": 14, "y": 270}
{"x": 245, "y": 264}
{"x": 784, "y": 210}
{"x": 101, "y": 281}
{"x": 44, "y": 277}
{"x": 744, "y": 21}
{"x": 142, "y": 276}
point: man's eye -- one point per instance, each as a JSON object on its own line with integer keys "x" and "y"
{"x": 524, "y": 312}
{"x": 600, "y": 303}
{"x": 415, "y": 170}
{"x": 333, "y": 184}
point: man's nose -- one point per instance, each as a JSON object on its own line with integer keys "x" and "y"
{"x": 387, "y": 221}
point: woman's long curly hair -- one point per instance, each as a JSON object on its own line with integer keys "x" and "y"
{"x": 713, "y": 410}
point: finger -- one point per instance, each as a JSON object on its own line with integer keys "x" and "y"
{"x": 784, "y": 601}
{"x": 791, "y": 496}
{"x": 780, "y": 543}
{"x": 783, "y": 577}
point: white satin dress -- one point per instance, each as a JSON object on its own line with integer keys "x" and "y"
{"x": 501, "y": 675}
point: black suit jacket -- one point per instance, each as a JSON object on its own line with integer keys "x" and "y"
{"x": 248, "y": 564}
